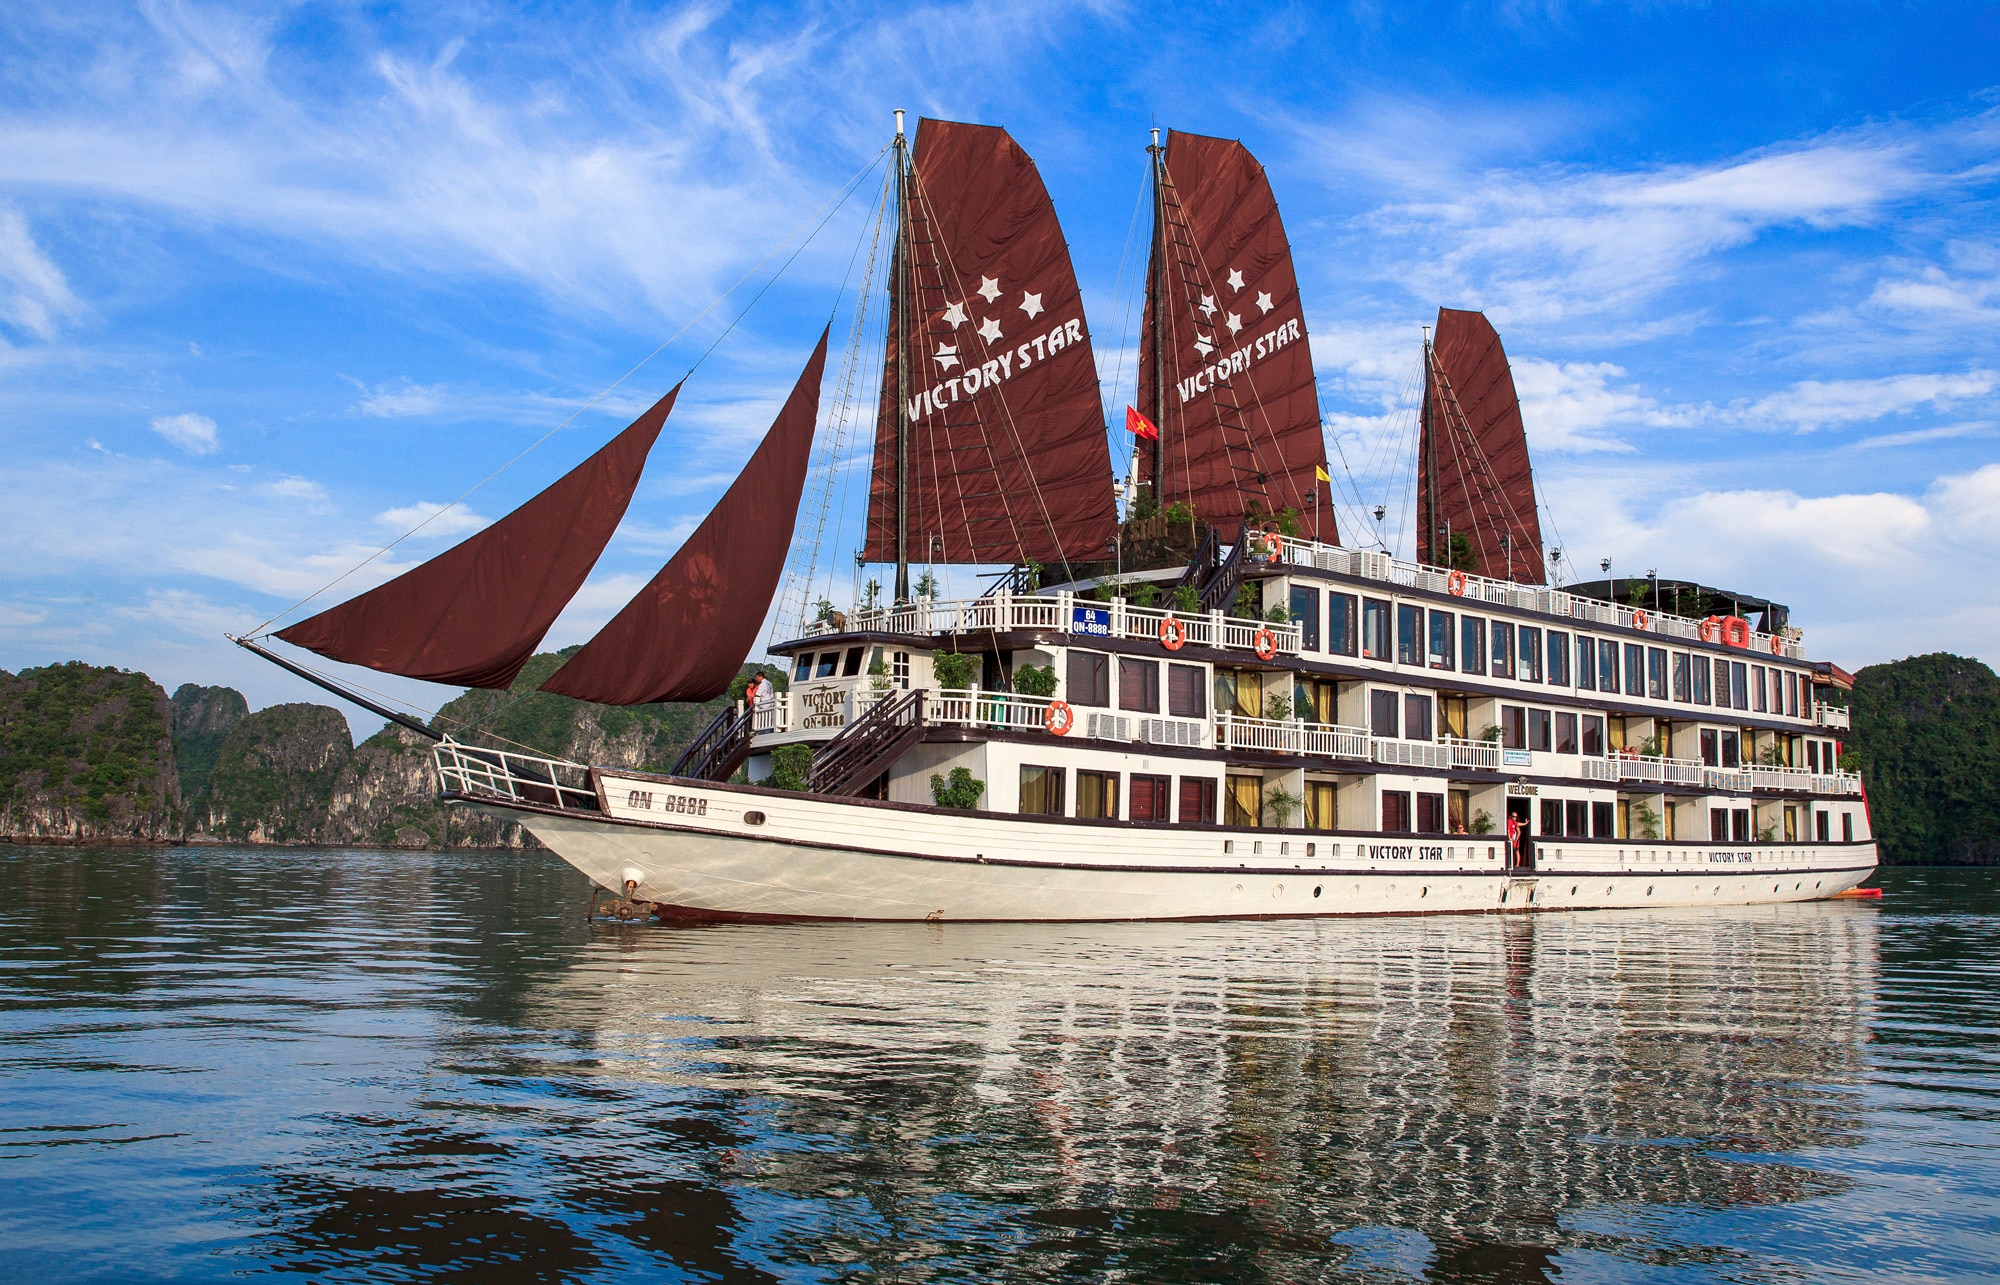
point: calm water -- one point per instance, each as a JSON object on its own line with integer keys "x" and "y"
{"x": 409, "y": 1066}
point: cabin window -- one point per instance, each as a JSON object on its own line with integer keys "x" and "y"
{"x": 1514, "y": 727}
{"x": 1243, "y": 800}
{"x": 1409, "y": 634}
{"x": 1791, "y": 824}
{"x": 899, "y": 670}
{"x": 1576, "y": 818}
{"x": 1739, "y": 684}
{"x": 1565, "y": 732}
{"x": 1711, "y": 753}
{"x": 1395, "y": 811}
{"x": 1417, "y": 717}
{"x": 1635, "y": 670}
{"x": 1701, "y": 685}
{"x": 1041, "y": 791}
{"x": 1138, "y": 686}
{"x": 1531, "y": 654}
{"x": 1593, "y": 735}
{"x": 1791, "y": 695}
{"x": 1847, "y": 827}
{"x": 1607, "y": 666}
{"x": 1089, "y": 679}
{"x": 1812, "y": 756}
{"x": 1097, "y": 795}
{"x": 1739, "y": 825}
{"x": 1150, "y": 798}
{"x": 829, "y": 664}
{"x": 1656, "y": 673}
{"x": 1451, "y": 716}
{"x": 1383, "y": 709}
{"x": 853, "y": 665}
{"x": 1457, "y": 804}
{"x": 1732, "y": 749}
{"x": 1187, "y": 696}
{"x": 1558, "y": 658}
{"x": 1603, "y": 821}
{"x": 1442, "y": 624}
{"x": 1718, "y": 824}
{"x": 1586, "y": 664}
{"x": 1759, "y": 693}
{"x": 1340, "y": 623}
{"x": 1197, "y": 803}
{"x": 1472, "y": 644}
{"x": 1683, "y": 684}
{"x": 1322, "y": 805}
{"x": 1313, "y": 700}
{"x": 1430, "y": 814}
{"x": 1819, "y": 825}
{"x": 802, "y": 668}
{"x": 1624, "y": 819}
{"x": 1503, "y": 649}
{"x": 1374, "y": 629}
{"x": 1552, "y": 818}
{"x": 1539, "y": 737}
{"x": 1305, "y": 612}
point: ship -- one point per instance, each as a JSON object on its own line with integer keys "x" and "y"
{"x": 1174, "y": 695}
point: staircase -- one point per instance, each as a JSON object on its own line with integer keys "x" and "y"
{"x": 720, "y": 749}
{"x": 1218, "y": 593}
{"x": 1206, "y": 555}
{"x": 850, "y": 762}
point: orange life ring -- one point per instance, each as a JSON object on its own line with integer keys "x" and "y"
{"x": 1172, "y": 634}
{"x": 1266, "y": 643}
{"x": 1059, "y": 719}
{"x": 1455, "y": 584}
{"x": 1711, "y": 629}
{"x": 1736, "y": 631}
{"x": 1640, "y": 620}
{"x": 1777, "y": 645}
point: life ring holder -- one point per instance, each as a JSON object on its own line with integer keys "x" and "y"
{"x": 1265, "y": 642}
{"x": 1736, "y": 631}
{"x": 1173, "y": 634}
{"x": 1454, "y": 584}
{"x": 1711, "y": 629}
{"x": 1640, "y": 620}
{"x": 1059, "y": 719}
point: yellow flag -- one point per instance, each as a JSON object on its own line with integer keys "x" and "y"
{"x": 1319, "y": 471}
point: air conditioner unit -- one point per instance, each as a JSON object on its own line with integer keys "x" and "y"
{"x": 1109, "y": 727}
{"x": 1167, "y": 731}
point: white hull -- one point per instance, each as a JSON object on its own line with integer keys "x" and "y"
{"x": 695, "y": 848}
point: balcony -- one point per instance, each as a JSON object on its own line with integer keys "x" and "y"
{"x": 1550, "y": 602}
{"x": 1289, "y": 736}
{"x": 1082, "y": 618}
{"x": 1804, "y": 780}
{"x": 1643, "y": 769}
{"x": 1834, "y": 717}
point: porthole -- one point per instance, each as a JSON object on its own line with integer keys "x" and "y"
{"x": 1278, "y": 890}
{"x": 1572, "y": 890}
{"x": 1315, "y": 890}
{"x": 1228, "y": 847}
{"x": 1607, "y": 890}
{"x": 1649, "y": 890}
{"x": 1426, "y": 891}
{"x": 753, "y": 818}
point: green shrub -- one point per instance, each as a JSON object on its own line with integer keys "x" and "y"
{"x": 962, "y": 791}
{"x": 1187, "y": 600}
{"x": 1144, "y": 594}
{"x": 791, "y": 767}
{"x": 1279, "y": 614}
{"x": 1482, "y": 822}
{"x": 1179, "y": 513}
{"x": 1032, "y": 681}
{"x": 954, "y": 669}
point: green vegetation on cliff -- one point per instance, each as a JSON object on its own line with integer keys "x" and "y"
{"x": 86, "y": 752}
{"x": 202, "y": 719}
{"x": 1926, "y": 737}
{"x": 274, "y": 776}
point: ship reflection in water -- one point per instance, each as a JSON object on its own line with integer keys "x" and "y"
{"x": 420, "y": 1066}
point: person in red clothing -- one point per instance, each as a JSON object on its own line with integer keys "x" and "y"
{"x": 1513, "y": 840}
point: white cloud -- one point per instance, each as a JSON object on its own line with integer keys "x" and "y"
{"x": 1574, "y": 406}
{"x": 435, "y": 519}
{"x": 1813, "y": 404}
{"x": 34, "y": 295}
{"x": 295, "y": 488}
{"x": 402, "y": 398}
{"x": 1968, "y": 506}
{"x": 193, "y": 433}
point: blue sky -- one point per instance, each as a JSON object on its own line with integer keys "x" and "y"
{"x": 274, "y": 280}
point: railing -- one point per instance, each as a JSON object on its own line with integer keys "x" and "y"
{"x": 1002, "y": 711}
{"x": 1479, "y": 756}
{"x": 520, "y": 778}
{"x": 1290, "y": 736}
{"x": 775, "y": 716}
{"x": 1411, "y": 753}
{"x": 1411, "y": 575}
{"x": 1825, "y": 715}
{"x": 1066, "y": 613}
{"x": 1805, "y": 779}
{"x": 1658, "y": 771}
{"x": 1600, "y": 770}
{"x": 1730, "y": 780}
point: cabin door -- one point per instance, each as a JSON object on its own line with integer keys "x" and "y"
{"x": 1521, "y": 848}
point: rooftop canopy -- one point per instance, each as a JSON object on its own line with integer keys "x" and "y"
{"x": 1683, "y": 598}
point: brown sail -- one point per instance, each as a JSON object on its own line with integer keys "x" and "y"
{"x": 684, "y": 636}
{"x": 1007, "y": 456}
{"x": 474, "y": 614}
{"x": 1224, "y": 360}
{"x": 1474, "y": 443}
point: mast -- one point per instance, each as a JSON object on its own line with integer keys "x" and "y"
{"x": 902, "y": 325}
{"x": 1429, "y": 437}
{"x": 1158, "y": 288}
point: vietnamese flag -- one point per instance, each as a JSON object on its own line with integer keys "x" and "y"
{"x": 1139, "y": 426}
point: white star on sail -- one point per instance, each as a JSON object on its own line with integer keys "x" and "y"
{"x": 1236, "y": 278}
{"x": 989, "y": 287}
{"x": 1202, "y": 344}
{"x": 1207, "y": 308}
{"x": 989, "y": 330}
{"x": 1234, "y": 322}
{"x": 947, "y": 356}
{"x": 1264, "y": 301}
{"x": 1031, "y": 304}
{"x": 953, "y": 315}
